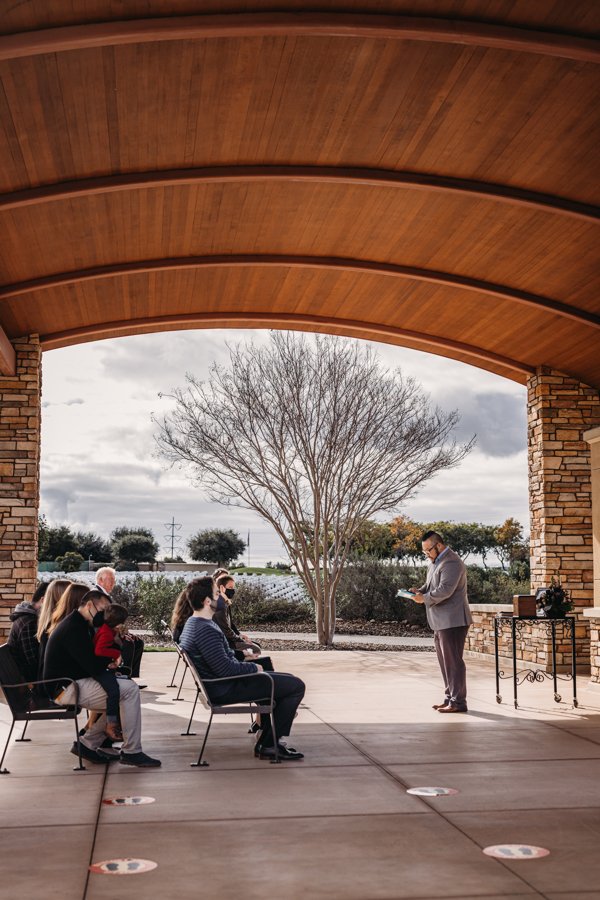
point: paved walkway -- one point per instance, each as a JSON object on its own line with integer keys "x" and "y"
{"x": 377, "y": 639}
{"x": 338, "y": 825}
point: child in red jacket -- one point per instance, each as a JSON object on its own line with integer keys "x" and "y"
{"x": 106, "y": 646}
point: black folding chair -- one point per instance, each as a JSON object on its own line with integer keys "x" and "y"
{"x": 264, "y": 706}
{"x": 28, "y": 702}
{"x": 172, "y": 683}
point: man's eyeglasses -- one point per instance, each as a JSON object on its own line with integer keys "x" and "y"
{"x": 428, "y": 550}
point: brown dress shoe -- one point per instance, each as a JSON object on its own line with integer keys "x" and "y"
{"x": 440, "y": 705}
{"x": 452, "y": 709}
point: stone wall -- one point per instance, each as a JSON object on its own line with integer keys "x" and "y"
{"x": 593, "y": 617}
{"x": 20, "y": 418}
{"x": 534, "y": 646}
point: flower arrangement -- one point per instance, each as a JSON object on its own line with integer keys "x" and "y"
{"x": 554, "y": 602}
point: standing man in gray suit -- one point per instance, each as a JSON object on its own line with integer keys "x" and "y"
{"x": 445, "y": 597}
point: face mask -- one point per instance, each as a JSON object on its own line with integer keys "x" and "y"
{"x": 98, "y": 618}
{"x": 230, "y": 593}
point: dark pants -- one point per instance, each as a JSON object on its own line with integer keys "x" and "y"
{"x": 108, "y": 680}
{"x": 449, "y": 646}
{"x": 131, "y": 652}
{"x": 289, "y": 692}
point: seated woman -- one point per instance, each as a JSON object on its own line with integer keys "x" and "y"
{"x": 52, "y": 598}
{"x": 242, "y": 645}
{"x": 22, "y": 640}
{"x": 181, "y": 613}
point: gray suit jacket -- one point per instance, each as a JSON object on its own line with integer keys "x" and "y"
{"x": 445, "y": 593}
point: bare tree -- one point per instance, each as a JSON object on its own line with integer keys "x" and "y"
{"x": 316, "y": 438}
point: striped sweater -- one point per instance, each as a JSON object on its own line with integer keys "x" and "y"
{"x": 212, "y": 655}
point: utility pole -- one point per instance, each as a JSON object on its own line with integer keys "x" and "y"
{"x": 171, "y": 538}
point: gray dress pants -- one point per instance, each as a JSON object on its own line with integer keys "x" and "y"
{"x": 449, "y": 646}
{"x": 93, "y": 697}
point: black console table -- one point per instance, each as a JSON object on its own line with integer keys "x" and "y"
{"x": 516, "y": 624}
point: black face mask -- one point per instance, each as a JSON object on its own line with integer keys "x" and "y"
{"x": 98, "y": 618}
{"x": 230, "y": 593}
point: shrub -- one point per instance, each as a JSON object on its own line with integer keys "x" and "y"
{"x": 368, "y": 589}
{"x": 70, "y": 562}
{"x": 156, "y": 599}
{"x": 125, "y": 592}
{"x": 252, "y": 607}
{"x": 494, "y": 585}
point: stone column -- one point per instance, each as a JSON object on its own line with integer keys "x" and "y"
{"x": 20, "y": 420}
{"x": 593, "y": 615}
{"x": 593, "y": 439}
{"x": 560, "y": 410}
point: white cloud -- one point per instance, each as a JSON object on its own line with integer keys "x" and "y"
{"x": 98, "y": 465}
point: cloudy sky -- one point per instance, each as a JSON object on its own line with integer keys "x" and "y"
{"x": 99, "y": 468}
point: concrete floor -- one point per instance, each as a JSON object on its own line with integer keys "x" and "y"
{"x": 337, "y": 825}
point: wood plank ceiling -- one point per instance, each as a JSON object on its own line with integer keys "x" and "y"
{"x": 419, "y": 173}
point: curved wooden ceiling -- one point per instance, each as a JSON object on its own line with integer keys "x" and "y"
{"x": 419, "y": 173}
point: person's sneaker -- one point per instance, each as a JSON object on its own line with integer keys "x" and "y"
{"x": 95, "y": 756}
{"x": 141, "y": 760}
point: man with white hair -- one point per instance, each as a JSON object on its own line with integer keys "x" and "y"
{"x": 133, "y": 647}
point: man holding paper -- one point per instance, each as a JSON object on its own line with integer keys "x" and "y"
{"x": 445, "y": 597}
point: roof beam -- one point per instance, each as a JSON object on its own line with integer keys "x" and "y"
{"x": 481, "y": 190}
{"x": 8, "y": 357}
{"x": 447, "y": 279}
{"x": 511, "y": 368}
{"x": 340, "y": 25}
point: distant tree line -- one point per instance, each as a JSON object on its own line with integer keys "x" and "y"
{"x": 401, "y": 539}
{"x": 127, "y": 546}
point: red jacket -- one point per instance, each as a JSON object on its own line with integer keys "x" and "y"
{"x": 104, "y": 642}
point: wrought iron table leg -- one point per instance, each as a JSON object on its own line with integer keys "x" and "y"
{"x": 574, "y": 664}
{"x": 557, "y": 697}
{"x": 498, "y": 695}
{"x": 513, "y": 628}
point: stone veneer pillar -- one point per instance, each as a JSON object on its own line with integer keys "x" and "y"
{"x": 593, "y": 439}
{"x": 20, "y": 420}
{"x": 560, "y": 410}
{"x": 593, "y": 615}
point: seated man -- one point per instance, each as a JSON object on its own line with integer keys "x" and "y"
{"x": 70, "y": 654}
{"x": 213, "y": 658}
{"x": 244, "y": 648}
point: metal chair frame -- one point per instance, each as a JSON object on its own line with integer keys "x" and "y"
{"x": 216, "y": 709}
{"x": 180, "y": 658}
{"x": 34, "y": 707}
{"x": 172, "y": 683}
